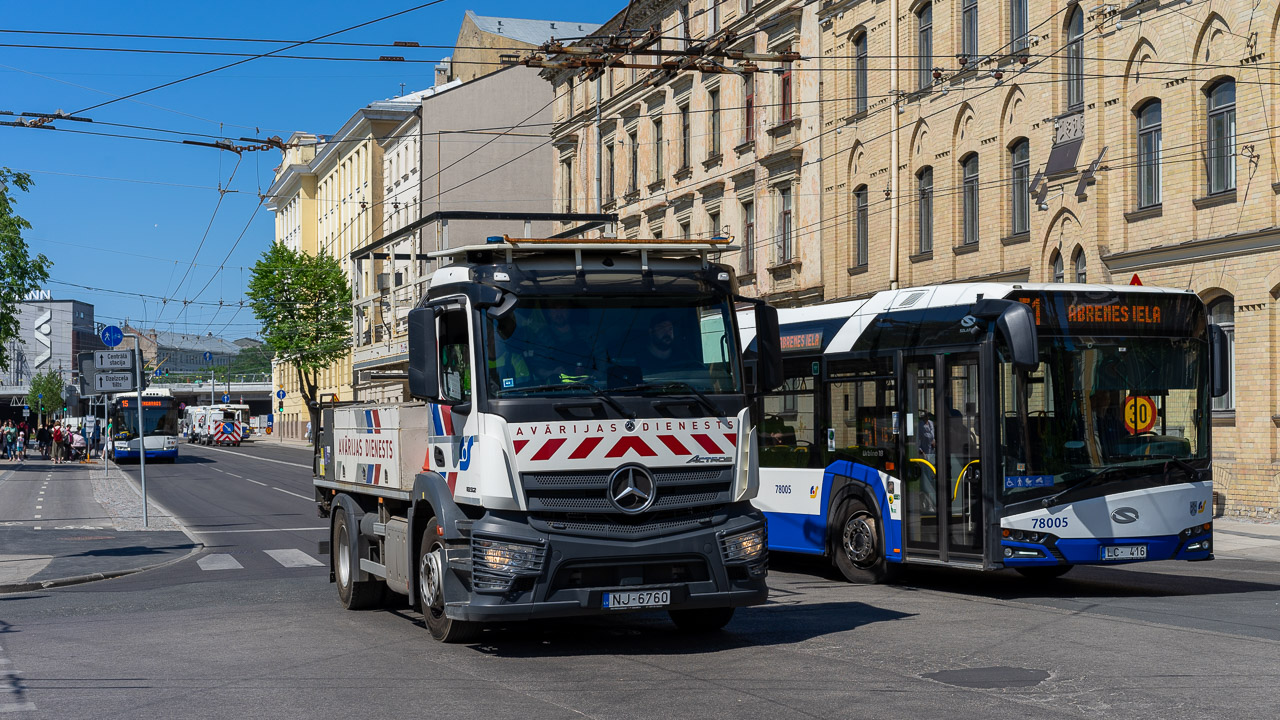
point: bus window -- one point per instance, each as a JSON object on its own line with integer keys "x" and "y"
{"x": 786, "y": 432}
{"x": 863, "y": 401}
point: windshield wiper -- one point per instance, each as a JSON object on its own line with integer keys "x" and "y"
{"x": 676, "y": 385}
{"x": 1088, "y": 479}
{"x": 1192, "y": 471}
{"x": 579, "y": 385}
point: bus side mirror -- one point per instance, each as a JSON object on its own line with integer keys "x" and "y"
{"x": 424, "y": 369}
{"x": 768, "y": 371}
{"x": 1219, "y": 362}
{"x": 1018, "y": 326}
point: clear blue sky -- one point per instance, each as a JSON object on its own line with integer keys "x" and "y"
{"x": 140, "y": 237}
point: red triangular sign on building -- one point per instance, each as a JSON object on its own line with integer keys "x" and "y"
{"x": 1135, "y": 280}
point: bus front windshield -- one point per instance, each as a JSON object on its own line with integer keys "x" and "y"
{"x": 158, "y": 418}
{"x": 580, "y": 346}
{"x": 1103, "y": 412}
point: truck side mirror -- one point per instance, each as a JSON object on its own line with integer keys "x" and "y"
{"x": 768, "y": 371}
{"x": 1219, "y": 362}
{"x": 424, "y": 363}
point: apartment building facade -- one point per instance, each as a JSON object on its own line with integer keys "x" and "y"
{"x": 1066, "y": 142}
{"x": 696, "y": 155}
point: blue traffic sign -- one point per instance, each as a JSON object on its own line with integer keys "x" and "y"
{"x": 280, "y": 394}
{"x": 208, "y": 356}
{"x": 226, "y": 398}
{"x": 271, "y": 420}
{"x": 112, "y": 336}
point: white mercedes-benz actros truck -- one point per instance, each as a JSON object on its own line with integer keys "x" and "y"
{"x": 580, "y": 442}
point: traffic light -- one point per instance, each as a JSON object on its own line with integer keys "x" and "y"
{"x": 281, "y": 406}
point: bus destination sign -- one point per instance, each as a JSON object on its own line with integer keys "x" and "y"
{"x": 1110, "y": 313}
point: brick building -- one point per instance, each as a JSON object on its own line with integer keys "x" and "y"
{"x": 692, "y": 154}
{"x": 1060, "y": 141}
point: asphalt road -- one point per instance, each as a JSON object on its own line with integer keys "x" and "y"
{"x": 264, "y": 636}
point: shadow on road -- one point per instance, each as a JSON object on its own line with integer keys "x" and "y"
{"x": 1088, "y": 581}
{"x": 131, "y": 551}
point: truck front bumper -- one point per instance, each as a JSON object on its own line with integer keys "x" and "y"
{"x": 567, "y": 574}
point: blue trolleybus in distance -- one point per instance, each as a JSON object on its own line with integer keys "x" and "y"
{"x": 160, "y": 418}
{"x": 989, "y": 426}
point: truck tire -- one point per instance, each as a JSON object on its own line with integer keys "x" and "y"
{"x": 352, "y": 593}
{"x": 431, "y": 568}
{"x": 702, "y": 620}
{"x": 1044, "y": 572}
{"x": 858, "y": 545}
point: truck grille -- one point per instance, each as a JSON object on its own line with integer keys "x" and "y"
{"x": 587, "y": 493}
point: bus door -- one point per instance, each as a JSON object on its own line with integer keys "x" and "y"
{"x": 942, "y": 497}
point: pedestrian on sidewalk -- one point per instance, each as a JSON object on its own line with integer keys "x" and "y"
{"x": 78, "y": 445}
{"x": 56, "y": 442}
{"x": 97, "y": 438}
{"x": 44, "y": 436}
{"x": 22, "y": 443}
{"x": 9, "y": 438}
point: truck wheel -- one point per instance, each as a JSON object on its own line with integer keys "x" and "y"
{"x": 431, "y": 569}
{"x": 1044, "y": 572}
{"x": 353, "y": 594}
{"x": 702, "y": 620}
{"x": 859, "y": 545}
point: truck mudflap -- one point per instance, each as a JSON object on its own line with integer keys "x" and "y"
{"x": 513, "y": 572}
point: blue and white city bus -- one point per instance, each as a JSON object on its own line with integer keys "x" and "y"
{"x": 988, "y": 426}
{"x": 160, "y": 416}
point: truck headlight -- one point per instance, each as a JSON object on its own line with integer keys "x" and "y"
{"x": 744, "y": 547}
{"x": 507, "y": 557}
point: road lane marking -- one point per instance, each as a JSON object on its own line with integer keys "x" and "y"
{"x": 258, "y": 530}
{"x": 286, "y": 492}
{"x": 255, "y": 457}
{"x": 255, "y": 482}
{"x": 235, "y": 475}
{"x": 218, "y": 561}
{"x": 38, "y": 517}
{"x": 292, "y": 558}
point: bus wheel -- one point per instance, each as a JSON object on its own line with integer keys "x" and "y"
{"x": 859, "y": 545}
{"x": 1044, "y": 572}
{"x": 353, "y": 594}
{"x": 431, "y": 569}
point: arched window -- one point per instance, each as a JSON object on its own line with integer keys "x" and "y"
{"x": 1055, "y": 264}
{"x": 1150, "y": 138}
{"x": 924, "y": 45}
{"x": 1221, "y": 136}
{"x": 924, "y": 184}
{"x": 1081, "y": 273}
{"x": 1020, "y": 188}
{"x": 1075, "y": 59}
{"x": 860, "y": 226}
{"x": 969, "y": 167}
{"x": 860, "y": 91}
{"x": 1222, "y": 312}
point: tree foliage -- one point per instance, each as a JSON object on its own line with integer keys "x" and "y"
{"x": 304, "y": 304}
{"x": 20, "y": 273}
{"x": 50, "y": 384}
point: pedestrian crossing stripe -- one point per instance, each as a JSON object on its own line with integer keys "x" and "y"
{"x": 287, "y": 557}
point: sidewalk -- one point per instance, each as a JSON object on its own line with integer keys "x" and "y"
{"x": 1241, "y": 539}
{"x": 72, "y": 523}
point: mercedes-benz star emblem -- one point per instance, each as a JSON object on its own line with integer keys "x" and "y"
{"x": 631, "y": 425}
{"x": 632, "y": 489}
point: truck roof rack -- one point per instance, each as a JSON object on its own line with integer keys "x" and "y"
{"x": 645, "y": 246}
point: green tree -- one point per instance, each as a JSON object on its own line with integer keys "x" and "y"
{"x": 50, "y": 384}
{"x": 20, "y": 273}
{"x": 303, "y": 302}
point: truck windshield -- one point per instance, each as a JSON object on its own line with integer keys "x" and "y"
{"x": 578, "y": 346}
{"x": 1097, "y": 411}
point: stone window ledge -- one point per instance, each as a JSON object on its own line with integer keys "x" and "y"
{"x": 1215, "y": 200}
{"x": 1146, "y": 213}
{"x": 785, "y": 267}
{"x": 657, "y": 185}
{"x": 683, "y": 173}
{"x": 858, "y": 269}
{"x": 921, "y": 257}
{"x": 784, "y": 126}
{"x": 712, "y": 161}
{"x": 745, "y": 147}
{"x": 965, "y": 249}
{"x": 1016, "y": 239}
